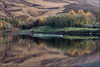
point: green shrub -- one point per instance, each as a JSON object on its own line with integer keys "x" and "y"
{"x": 13, "y": 21}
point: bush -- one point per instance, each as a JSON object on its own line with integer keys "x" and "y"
{"x": 5, "y": 26}
{"x": 13, "y": 22}
{"x": 63, "y": 20}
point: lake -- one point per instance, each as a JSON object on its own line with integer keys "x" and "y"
{"x": 49, "y": 50}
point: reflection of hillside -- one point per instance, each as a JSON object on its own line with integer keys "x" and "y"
{"x": 17, "y": 50}
{"x": 25, "y": 51}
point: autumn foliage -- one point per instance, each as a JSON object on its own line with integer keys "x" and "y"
{"x": 4, "y": 25}
{"x": 72, "y": 12}
{"x": 70, "y": 19}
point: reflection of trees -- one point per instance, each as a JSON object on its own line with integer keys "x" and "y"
{"x": 17, "y": 51}
{"x": 72, "y": 47}
{"x": 9, "y": 50}
{"x": 17, "y": 40}
{"x": 98, "y": 48}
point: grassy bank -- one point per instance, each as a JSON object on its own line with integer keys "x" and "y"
{"x": 62, "y": 31}
{"x": 52, "y": 29}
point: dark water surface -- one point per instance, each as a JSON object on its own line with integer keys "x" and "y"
{"x": 32, "y": 50}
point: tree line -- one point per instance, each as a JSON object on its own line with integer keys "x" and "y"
{"x": 70, "y": 19}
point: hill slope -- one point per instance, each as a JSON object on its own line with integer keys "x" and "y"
{"x": 42, "y": 8}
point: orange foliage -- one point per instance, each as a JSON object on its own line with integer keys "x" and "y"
{"x": 88, "y": 13}
{"x": 72, "y": 52}
{"x": 80, "y": 12}
{"x": 40, "y": 21}
{"x": 72, "y": 12}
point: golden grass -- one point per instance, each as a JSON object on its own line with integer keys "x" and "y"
{"x": 35, "y": 12}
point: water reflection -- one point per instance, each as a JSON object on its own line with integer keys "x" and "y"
{"x": 18, "y": 48}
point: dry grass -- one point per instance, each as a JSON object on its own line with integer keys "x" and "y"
{"x": 37, "y": 8}
{"x": 85, "y": 7}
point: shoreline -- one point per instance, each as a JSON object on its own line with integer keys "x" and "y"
{"x": 86, "y": 33}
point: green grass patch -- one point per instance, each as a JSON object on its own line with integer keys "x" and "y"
{"x": 52, "y": 29}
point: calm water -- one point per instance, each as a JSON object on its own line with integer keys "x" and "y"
{"x": 34, "y": 50}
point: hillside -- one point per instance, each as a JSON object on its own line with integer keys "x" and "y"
{"x": 42, "y": 8}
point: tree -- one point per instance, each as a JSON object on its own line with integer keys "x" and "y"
{"x": 13, "y": 22}
{"x": 1, "y": 25}
{"x": 88, "y": 13}
{"x": 80, "y": 12}
{"x": 72, "y": 12}
{"x": 86, "y": 18}
{"x": 41, "y": 21}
